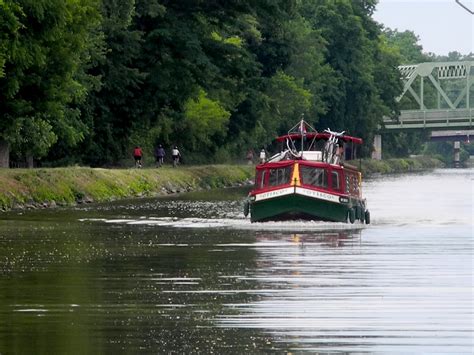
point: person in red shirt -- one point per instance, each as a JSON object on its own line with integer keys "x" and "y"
{"x": 137, "y": 154}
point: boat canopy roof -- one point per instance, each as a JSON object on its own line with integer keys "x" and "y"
{"x": 280, "y": 164}
{"x": 318, "y": 136}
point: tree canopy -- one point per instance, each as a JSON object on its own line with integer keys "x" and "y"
{"x": 45, "y": 46}
{"x": 83, "y": 81}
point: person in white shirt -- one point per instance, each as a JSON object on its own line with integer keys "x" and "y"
{"x": 176, "y": 155}
{"x": 263, "y": 156}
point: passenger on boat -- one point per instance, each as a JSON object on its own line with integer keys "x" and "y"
{"x": 263, "y": 156}
{"x": 339, "y": 154}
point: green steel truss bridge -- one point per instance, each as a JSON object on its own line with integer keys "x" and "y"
{"x": 436, "y": 96}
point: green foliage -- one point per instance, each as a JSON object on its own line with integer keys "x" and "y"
{"x": 35, "y": 136}
{"x": 403, "y": 144}
{"x": 396, "y": 166}
{"x": 406, "y": 44}
{"x": 356, "y": 99}
{"x": 84, "y": 81}
{"x": 44, "y": 46}
{"x": 205, "y": 119}
{"x": 445, "y": 151}
{"x": 9, "y": 25}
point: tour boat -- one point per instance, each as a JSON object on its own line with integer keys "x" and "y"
{"x": 312, "y": 178}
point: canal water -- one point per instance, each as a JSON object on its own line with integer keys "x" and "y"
{"x": 188, "y": 274}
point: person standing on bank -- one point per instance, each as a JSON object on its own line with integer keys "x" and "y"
{"x": 137, "y": 155}
{"x": 159, "y": 155}
{"x": 250, "y": 157}
{"x": 176, "y": 155}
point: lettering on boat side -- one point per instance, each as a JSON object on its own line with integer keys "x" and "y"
{"x": 274, "y": 193}
{"x": 317, "y": 194}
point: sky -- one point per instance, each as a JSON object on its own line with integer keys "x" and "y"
{"x": 442, "y": 25}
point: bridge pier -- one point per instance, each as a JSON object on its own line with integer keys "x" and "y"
{"x": 457, "y": 154}
{"x": 377, "y": 149}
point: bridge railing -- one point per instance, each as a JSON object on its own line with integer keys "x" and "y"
{"x": 431, "y": 119}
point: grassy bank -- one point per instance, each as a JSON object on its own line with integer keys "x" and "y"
{"x": 24, "y": 188}
{"x": 398, "y": 166}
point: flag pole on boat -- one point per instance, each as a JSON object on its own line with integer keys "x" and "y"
{"x": 302, "y": 131}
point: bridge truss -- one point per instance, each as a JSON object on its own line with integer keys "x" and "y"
{"x": 436, "y": 95}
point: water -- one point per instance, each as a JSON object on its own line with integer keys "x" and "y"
{"x": 190, "y": 275}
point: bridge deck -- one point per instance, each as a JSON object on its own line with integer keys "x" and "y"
{"x": 438, "y": 119}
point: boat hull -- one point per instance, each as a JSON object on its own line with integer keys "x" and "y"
{"x": 295, "y": 206}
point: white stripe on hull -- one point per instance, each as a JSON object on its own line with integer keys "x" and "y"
{"x": 274, "y": 193}
{"x": 299, "y": 191}
{"x": 317, "y": 194}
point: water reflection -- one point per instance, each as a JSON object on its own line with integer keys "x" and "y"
{"x": 331, "y": 238}
{"x": 330, "y": 292}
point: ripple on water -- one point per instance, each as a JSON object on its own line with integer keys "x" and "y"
{"x": 230, "y": 223}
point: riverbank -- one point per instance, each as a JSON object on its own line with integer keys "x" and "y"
{"x": 400, "y": 166}
{"x": 42, "y": 188}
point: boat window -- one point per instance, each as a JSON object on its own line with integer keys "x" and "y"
{"x": 335, "y": 181}
{"x": 352, "y": 184}
{"x": 258, "y": 178}
{"x": 261, "y": 181}
{"x": 279, "y": 176}
{"x": 313, "y": 176}
{"x": 355, "y": 185}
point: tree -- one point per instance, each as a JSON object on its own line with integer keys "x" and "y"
{"x": 47, "y": 43}
{"x": 355, "y": 99}
{"x": 9, "y": 26}
{"x": 406, "y": 43}
{"x": 204, "y": 119}
{"x": 110, "y": 110}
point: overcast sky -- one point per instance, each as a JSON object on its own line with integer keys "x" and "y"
{"x": 442, "y": 25}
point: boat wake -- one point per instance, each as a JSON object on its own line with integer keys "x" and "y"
{"x": 230, "y": 223}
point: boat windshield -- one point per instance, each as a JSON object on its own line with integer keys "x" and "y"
{"x": 273, "y": 176}
{"x": 279, "y": 176}
{"x": 314, "y": 176}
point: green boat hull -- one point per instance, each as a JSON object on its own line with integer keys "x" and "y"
{"x": 295, "y": 206}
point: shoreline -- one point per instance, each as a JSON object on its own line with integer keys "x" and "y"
{"x": 23, "y": 189}
{"x": 27, "y": 189}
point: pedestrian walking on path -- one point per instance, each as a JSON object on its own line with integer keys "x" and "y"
{"x": 137, "y": 155}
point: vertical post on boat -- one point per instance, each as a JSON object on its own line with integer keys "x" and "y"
{"x": 360, "y": 162}
{"x": 302, "y": 131}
